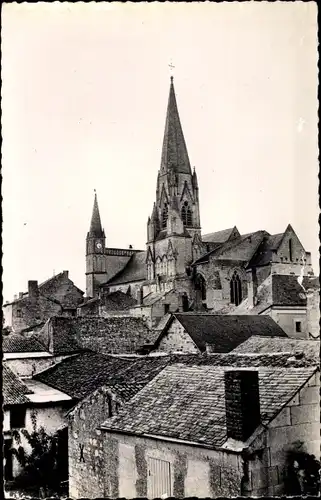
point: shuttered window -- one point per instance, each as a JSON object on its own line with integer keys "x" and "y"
{"x": 159, "y": 478}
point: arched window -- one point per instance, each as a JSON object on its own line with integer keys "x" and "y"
{"x": 201, "y": 285}
{"x": 186, "y": 214}
{"x": 236, "y": 289}
{"x": 164, "y": 216}
{"x": 164, "y": 265}
{"x": 290, "y": 249}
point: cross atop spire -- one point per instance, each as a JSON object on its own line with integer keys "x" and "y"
{"x": 174, "y": 152}
{"x": 95, "y": 224}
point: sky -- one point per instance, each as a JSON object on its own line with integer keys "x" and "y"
{"x": 84, "y": 96}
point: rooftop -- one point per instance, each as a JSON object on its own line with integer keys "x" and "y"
{"x": 224, "y": 332}
{"x": 263, "y": 345}
{"x": 42, "y": 393}
{"x": 188, "y": 403}
{"x": 16, "y": 343}
{"x": 13, "y": 390}
{"x": 134, "y": 270}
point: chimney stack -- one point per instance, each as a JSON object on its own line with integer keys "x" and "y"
{"x": 65, "y": 274}
{"x": 252, "y": 287}
{"x": 20, "y": 295}
{"x": 242, "y": 403}
{"x": 33, "y": 289}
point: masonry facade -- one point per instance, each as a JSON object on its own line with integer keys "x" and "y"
{"x": 215, "y": 271}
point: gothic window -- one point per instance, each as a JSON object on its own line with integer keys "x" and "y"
{"x": 110, "y": 407}
{"x": 164, "y": 216}
{"x": 186, "y": 214}
{"x": 236, "y": 289}
{"x": 290, "y": 249}
{"x": 201, "y": 285}
{"x": 164, "y": 265}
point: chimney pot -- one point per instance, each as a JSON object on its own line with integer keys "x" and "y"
{"x": 20, "y": 295}
{"x": 242, "y": 403}
{"x": 65, "y": 274}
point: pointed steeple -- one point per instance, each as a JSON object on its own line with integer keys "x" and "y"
{"x": 174, "y": 152}
{"x": 194, "y": 179}
{"x": 95, "y": 224}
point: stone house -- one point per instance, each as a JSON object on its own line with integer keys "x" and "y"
{"x": 247, "y": 422}
{"x": 107, "y": 304}
{"x": 201, "y": 332}
{"x": 25, "y": 356}
{"x": 58, "y": 295}
{"x": 22, "y": 402}
{"x": 291, "y": 302}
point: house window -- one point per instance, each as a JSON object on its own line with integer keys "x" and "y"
{"x": 186, "y": 214}
{"x": 298, "y": 326}
{"x": 166, "y": 308}
{"x": 17, "y": 417}
{"x": 290, "y": 249}
{"x": 164, "y": 216}
{"x": 236, "y": 289}
{"x": 18, "y": 313}
{"x": 110, "y": 407}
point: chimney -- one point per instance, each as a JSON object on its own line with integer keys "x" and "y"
{"x": 65, "y": 274}
{"x": 242, "y": 403}
{"x": 33, "y": 289}
{"x": 20, "y": 295}
{"x": 252, "y": 287}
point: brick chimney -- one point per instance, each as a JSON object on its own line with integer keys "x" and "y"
{"x": 20, "y": 295}
{"x": 242, "y": 403}
{"x": 252, "y": 287}
{"x": 65, "y": 274}
{"x": 33, "y": 290}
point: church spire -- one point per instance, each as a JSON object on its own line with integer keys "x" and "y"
{"x": 174, "y": 152}
{"x": 95, "y": 224}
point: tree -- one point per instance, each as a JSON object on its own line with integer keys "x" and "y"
{"x": 39, "y": 463}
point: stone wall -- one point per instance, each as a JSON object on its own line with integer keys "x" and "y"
{"x": 313, "y": 313}
{"x": 194, "y": 471}
{"x": 287, "y": 320}
{"x": 85, "y": 444}
{"x": 299, "y": 421}
{"x": 177, "y": 340}
{"x": 26, "y": 367}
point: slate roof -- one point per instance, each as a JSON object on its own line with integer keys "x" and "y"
{"x": 188, "y": 403}
{"x": 263, "y": 255}
{"x": 218, "y": 236}
{"x": 18, "y": 343}
{"x": 111, "y": 335}
{"x": 263, "y": 345}
{"x": 241, "y": 248}
{"x": 134, "y": 270}
{"x": 13, "y": 390}
{"x": 287, "y": 291}
{"x": 114, "y": 301}
{"x": 224, "y": 332}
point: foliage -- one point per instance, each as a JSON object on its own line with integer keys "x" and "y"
{"x": 303, "y": 473}
{"x": 39, "y": 459}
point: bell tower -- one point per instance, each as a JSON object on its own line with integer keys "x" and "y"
{"x": 96, "y": 265}
{"x": 175, "y": 221}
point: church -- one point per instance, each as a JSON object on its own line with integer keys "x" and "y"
{"x": 182, "y": 269}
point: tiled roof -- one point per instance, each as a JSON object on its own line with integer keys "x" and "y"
{"x": 18, "y": 343}
{"x": 80, "y": 375}
{"x": 225, "y": 332}
{"x": 241, "y": 248}
{"x": 134, "y": 270}
{"x": 114, "y": 301}
{"x": 188, "y": 403}
{"x": 287, "y": 291}
{"x": 218, "y": 236}
{"x": 111, "y": 335}
{"x": 262, "y": 345}
{"x": 13, "y": 390}
{"x": 263, "y": 255}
